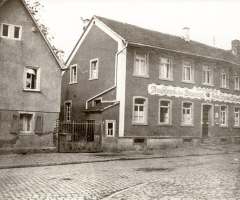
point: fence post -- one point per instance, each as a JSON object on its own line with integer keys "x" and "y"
{"x": 56, "y": 132}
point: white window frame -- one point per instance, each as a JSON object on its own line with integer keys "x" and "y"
{"x": 113, "y": 130}
{"x": 91, "y": 73}
{"x": 223, "y": 78}
{"x": 32, "y": 123}
{"x": 236, "y": 83}
{"x": 141, "y": 58}
{"x": 223, "y": 114}
{"x": 237, "y": 117}
{"x": 11, "y": 31}
{"x": 190, "y": 67}
{"x": 73, "y": 74}
{"x": 191, "y": 109}
{"x": 210, "y": 73}
{"x": 169, "y": 112}
{"x": 67, "y": 111}
{"x": 36, "y": 71}
{"x": 162, "y": 65}
{"x": 145, "y": 111}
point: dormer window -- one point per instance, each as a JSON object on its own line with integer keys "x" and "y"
{"x": 11, "y": 31}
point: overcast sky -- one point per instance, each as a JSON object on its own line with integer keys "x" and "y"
{"x": 207, "y": 19}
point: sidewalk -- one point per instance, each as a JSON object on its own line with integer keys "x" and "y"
{"x": 48, "y": 159}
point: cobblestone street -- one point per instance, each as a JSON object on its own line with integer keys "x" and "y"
{"x": 191, "y": 177}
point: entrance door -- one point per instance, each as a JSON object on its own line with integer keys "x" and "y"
{"x": 205, "y": 120}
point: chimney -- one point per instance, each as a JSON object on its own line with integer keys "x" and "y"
{"x": 185, "y": 34}
{"x": 85, "y": 23}
{"x": 235, "y": 47}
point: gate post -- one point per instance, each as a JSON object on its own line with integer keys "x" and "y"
{"x": 56, "y": 133}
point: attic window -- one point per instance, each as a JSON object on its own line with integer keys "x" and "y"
{"x": 11, "y": 31}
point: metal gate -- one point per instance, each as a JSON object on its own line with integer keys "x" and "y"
{"x": 81, "y": 136}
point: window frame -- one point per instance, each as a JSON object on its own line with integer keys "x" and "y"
{"x": 11, "y": 31}
{"x": 145, "y": 113}
{"x": 225, "y": 83}
{"x": 67, "y": 117}
{"x": 38, "y": 78}
{"x": 170, "y": 112}
{"x": 191, "y": 114}
{"x": 72, "y": 80}
{"x": 226, "y": 116}
{"x": 146, "y": 59}
{"x": 234, "y": 116}
{"x": 191, "y": 71}
{"x": 210, "y": 69}
{"x": 113, "y": 128}
{"x": 170, "y": 78}
{"x": 236, "y": 84}
{"x": 91, "y": 70}
{"x": 32, "y": 124}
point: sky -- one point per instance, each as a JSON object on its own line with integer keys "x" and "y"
{"x": 212, "y": 22}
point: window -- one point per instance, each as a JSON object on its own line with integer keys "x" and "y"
{"x": 223, "y": 115}
{"x": 164, "y": 112}
{"x": 223, "y": 79}
{"x": 187, "y": 71}
{"x": 32, "y": 78}
{"x": 141, "y": 65}
{"x": 110, "y": 128}
{"x": 207, "y": 75}
{"x": 68, "y": 110}
{"x": 236, "y": 87}
{"x": 237, "y": 116}
{"x": 73, "y": 74}
{"x": 187, "y": 113}
{"x": 26, "y": 123}
{"x": 11, "y": 31}
{"x": 165, "y": 68}
{"x": 93, "y": 69}
{"x": 139, "y": 110}
{"x": 96, "y": 101}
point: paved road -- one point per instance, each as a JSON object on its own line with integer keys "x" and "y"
{"x": 195, "y": 177}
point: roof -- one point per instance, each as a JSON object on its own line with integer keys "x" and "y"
{"x": 137, "y": 35}
{"x": 60, "y": 63}
{"x": 100, "y": 107}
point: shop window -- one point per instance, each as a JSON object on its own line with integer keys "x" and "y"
{"x": 187, "y": 113}
{"x": 165, "y": 71}
{"x": 237, "y": 117}
{"x": 207, "y": 75}
{"x": 11, "y": 31}
{"x": 110, "y": 128}
{"x": 26, "y": 123}
{"x": 187, "y": 70}
{"x": 94, "y": 66}
{"x": 32, "y": 78}
{"x": 236, "y": 83}
{"x": 68, "y": 111}
{"x": 73, "y": 74}
{"x": 165, "y": 115}
{"x": 140, "y": 110}
{"x": 223, "y": 115}
{"x": 141, "y": 65}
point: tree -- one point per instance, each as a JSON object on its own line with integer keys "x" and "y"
{"x": 36, "y": 10}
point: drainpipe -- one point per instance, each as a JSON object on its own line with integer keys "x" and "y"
{"x": 115, "y": 78}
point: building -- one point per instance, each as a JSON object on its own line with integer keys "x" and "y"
{"x": 152, "y": 90}
{"x": 30, "y": 76}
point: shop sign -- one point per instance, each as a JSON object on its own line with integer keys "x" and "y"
{"x": 193, "y": 93}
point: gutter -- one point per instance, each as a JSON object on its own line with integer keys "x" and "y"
{"x": 115, "y": 78}
{"x": 161, "y": 48}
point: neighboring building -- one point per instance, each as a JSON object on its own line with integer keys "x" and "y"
{"x": 151, "y": 90}
{"x": 30, "y": 77}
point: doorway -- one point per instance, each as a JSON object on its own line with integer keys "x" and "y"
{"x": 206, "y": 120}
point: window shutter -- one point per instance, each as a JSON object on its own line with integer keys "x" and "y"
{"x": 14, "y": 123}
{"x": 38, "y": 124}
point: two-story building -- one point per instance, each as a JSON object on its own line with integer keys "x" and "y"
{"x": 152, "y": 90}
{"x": 30, "y": 77}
